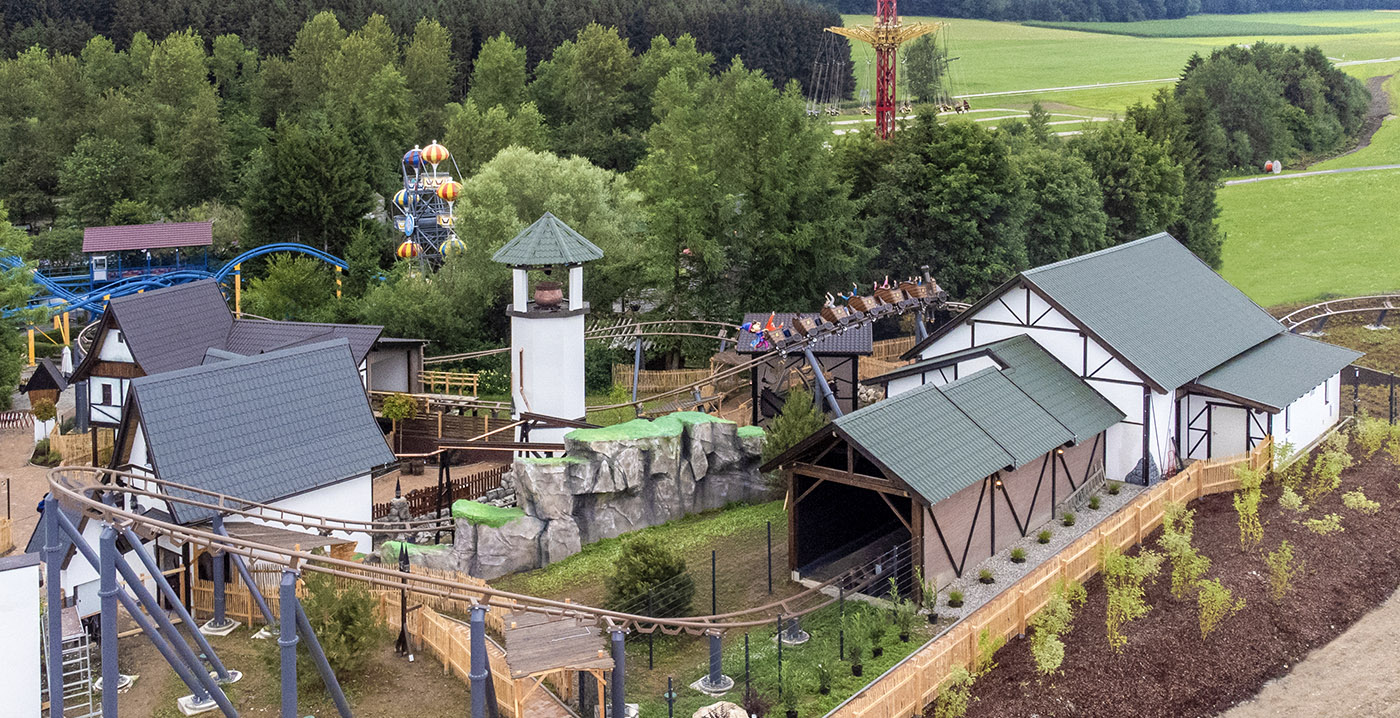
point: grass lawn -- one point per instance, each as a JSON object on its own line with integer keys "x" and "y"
{"x": 1310, "y": 238}
{"x": 1205, "y": 26}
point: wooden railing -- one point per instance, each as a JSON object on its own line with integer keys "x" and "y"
{"x": 7, "y": 539}
{"x": 911, "y": 685}
{"x": 425, "y": 500}
{"x": 655, "y": 382}
{"x": 451, "y": 382}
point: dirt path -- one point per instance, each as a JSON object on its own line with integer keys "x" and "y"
{"x": 1365, "y": 659}
{"x": 28, "y": 484}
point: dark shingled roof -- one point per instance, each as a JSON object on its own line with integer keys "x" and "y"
{"x": 148, "y": 236}
{"x": 262, "y": 428}
{"x": 981, "y": 423}
{"x": 546, "y": 242}
{"x": 1277, "y": 372}
{"x": 856, "y": 340}
{"x": 252, "y": 336}
{"x": 46, "y": 376}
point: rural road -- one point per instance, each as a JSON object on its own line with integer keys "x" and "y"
{"x": 1357, "y": 674}
{"x": 1296, "y": 175}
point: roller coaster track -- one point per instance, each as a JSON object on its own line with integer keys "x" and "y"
{"x": 104, "y": 495}
{"x": 1320, "y": 312}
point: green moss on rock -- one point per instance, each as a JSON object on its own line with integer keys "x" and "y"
{"x": 549, "y": 460}
{"x": 389, "y": 551}
{"x": 669, "y": 425}
{"x": 479, "y": 513}
{"x": 746, "y": 432}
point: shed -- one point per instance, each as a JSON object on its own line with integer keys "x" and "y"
{"x": 837, "y": 354}
{"x": 134, "y": 250}
{"x": 47, "y": 382}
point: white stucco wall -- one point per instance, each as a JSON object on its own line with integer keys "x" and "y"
{"x": 1311, "y": 415}
{"x": 388, "y": 370}
{"x": 81, "y": 577}
{"x": 114, "y": 348}
{"x": 546, "y": 369}
{"x": 19, "y": 634}
{"x": 352, "y": 499}
{"x": 107, "y": 413}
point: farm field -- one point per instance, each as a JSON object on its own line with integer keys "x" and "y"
{"x": 1305, "y": 239}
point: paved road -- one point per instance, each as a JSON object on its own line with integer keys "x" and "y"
{"x": 1296, "y": 175}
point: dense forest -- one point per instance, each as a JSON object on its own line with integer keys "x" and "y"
{"x": 707, "y": 183}
{"x": 1104, "y": 10}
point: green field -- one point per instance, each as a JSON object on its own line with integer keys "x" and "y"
{"x": 1202, "y": 26}
{"x": 1305, "y": 239}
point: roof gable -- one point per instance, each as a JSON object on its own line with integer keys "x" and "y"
{"x": 263, "y": 427}
{"x": 1277, "y": 372}
{"x": 171, "y": 328}
{"x": 547, "y": 242}
{"x": 46, "y": 376}
{"x": 148, "y": 236}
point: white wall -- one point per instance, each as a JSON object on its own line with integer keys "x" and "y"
{"x": 19, "y": 634}
{"x": 114, "y": 348}
{"x": 941, "y": 375}
{"x": 1311, "y": 415}
{"x": 1021, "y": 311}
{"x": 82, "y": 577}
{"x": 351, "y": 499}
{"x": 104, "y": 413}
{"x": 388, "y": 370}
{"x": 546, "y": 369}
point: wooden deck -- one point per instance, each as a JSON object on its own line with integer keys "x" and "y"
{"x": 537, "y": 644}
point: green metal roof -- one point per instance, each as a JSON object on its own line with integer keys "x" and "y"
{"x": 1277, "y": 372}
{"x": 1158, "y": 306}
{"x": 547, "y": 242}
{"x": 941, "y": 440}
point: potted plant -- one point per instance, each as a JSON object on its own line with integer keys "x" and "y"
{"x": 985, "y": 576}
{"x": 823, "y": 679}
{"x": 1043, "y": 536}
{"x": 855, "y": 646}
{"x": 875, "y": 630}
{"x": 955, "y": 599}
{"x": 1018, "y": 555}
{"x": 928, "y": 594}
{"x": 1068, "y": 518}
{"x": 791, "y": 693}
{"x": 1094, "y": 502}
{"x": 904, "y": 614}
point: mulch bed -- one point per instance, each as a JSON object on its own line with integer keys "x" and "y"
{"x": 1167, "y": 669}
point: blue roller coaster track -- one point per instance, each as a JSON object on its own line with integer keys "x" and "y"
{"x": 61, "y": 297}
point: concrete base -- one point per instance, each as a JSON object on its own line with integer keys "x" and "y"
{"x": 726, "y": 684}
{"x": 189, "y": 707}
{"x": 265, "y": 633}
{"x": 212, "y": 629}
{"x": 1377, "y": 327}
{"x": 1313, "y": 335}
{"x": 795, "y": 639}
{"x": 123, "y": 682}
{"x": 233, "y": 677}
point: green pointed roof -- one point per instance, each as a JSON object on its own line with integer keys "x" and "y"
{"x": 547, "y": 241}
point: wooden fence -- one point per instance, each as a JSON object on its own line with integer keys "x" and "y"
{"x": 910, "y": 686}
{"x": 451, "y": 382}
{"x": 889, "y": 350}
{"x": 425, "y": 500}
{"x": 7, "y": 539}
{"x": 76, "y": 449}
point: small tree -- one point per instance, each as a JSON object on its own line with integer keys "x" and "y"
{"x": 797, "y": 420}
{"x": 44, "y": 410}
{"x": 1282, "y": 570}
{"x": 1217, "y": 604}
{"x": 1247, "y": 505}
{"x": 398, "y": 407}
{"x": 1188, "y": 565}
{"x": 1123, "y": 579}
{"x": 645, "y": 566}
{"x": 1053, "y": 621}
{"x": 342, "y": 617}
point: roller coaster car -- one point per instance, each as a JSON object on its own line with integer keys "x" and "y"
{"x": 835, "y": 314}
{"x": 865, "y": 305}
{"x": 778, "y": 337}
{"x": 890, "y": 296}
{"x": 805, "y": 327}
{"x": 915, "y": 291}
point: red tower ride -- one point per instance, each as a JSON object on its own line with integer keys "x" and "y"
{"x": 886, "y": 35}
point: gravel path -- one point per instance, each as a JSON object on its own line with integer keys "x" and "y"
{"x": 976, "y": 593}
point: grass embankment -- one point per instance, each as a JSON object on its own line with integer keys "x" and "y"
{"x": 1304, "y": 239}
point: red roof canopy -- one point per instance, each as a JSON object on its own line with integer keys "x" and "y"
{"x": 148, "y": 236}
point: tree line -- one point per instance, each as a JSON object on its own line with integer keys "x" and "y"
{"x": 1104, "y": 10}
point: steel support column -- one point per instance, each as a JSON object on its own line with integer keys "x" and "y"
{"x": 53, "y": 587}
{"x": 217, "y": 561}
{"x": 480, "y": 672}
{"x": 248, "y": 580}
{"x": 165, "y": 589}
{"x": 825, "y": 388}
{"x": 287, "y": 593}
{"x": 619, "y": 703}
{"x": 107, "y": 591}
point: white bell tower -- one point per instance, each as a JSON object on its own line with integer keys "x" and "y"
{"x": 546, "y": 322}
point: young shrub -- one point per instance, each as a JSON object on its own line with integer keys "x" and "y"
{"x": 1327, "y": 525}
{"x": 1067, "y": 519}
{"x": 905, "y": 612}
{"x": 342, "y": 617}
{"x": 1247, "y": 505}
{"x": 955, "y": 599}
{"x": 1290, "y": 500}
{"x": 856, "y": 641}
{"x": 1282, "y": 570}
{"x": 1217, "y": 603}
{"x": 396, "y": 408}
{"x": 928, "y": 593}
{"x": 1327, "y": 468}
{"x": 1052, "y": 622}
{"x": 645, "y": 564}
{"x": 823, "y": 679}
{"x": 797, "y": 420}
{"x": 1290, "y": 469}
{"x": 755, "y": 704}
{"x": 1188, "y": 565}
{"x": 794, "y": 685}
{"x": 1113, "y": 487}
{"x": 1094, "y": 502}
{"x": 1123, "y": 579}
{"x": 985, "y": 576}
{"x": 1043, "y": 536}
{"x": 1357, "y": 501}
{"x": 875, "y": 630}
{"x": 987, "y": 647}
{"x": 1018, "y": 555}
{"x": 1370, "y": 434}
{"x": 955, "y": 695}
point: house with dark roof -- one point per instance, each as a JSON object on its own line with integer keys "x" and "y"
{"x": 942, "y": 474}
{"x": 141, "y": 249}
{"x": 837, "y": 354}
{"x": 173, "y": 328}
{"x": 1198, "y": 370}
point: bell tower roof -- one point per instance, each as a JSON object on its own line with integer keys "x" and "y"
{"x": 547, "y": 242}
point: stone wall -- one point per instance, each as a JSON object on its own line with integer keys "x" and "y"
{"x": 609, "y": 482}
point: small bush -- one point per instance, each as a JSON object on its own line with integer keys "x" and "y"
{"x": 928, "y": 590}
{"x": 985, "y": 576}
{"x": 955, "y": 598}
{"x": 1369, "y": 433}
{"x": 1094, "y": 502}
{"x": 645, "y": 564}
{"x": 905, "y": 611}
{"x": 1357, "y": 501}
{"x": 1068, "y": 518}
{"x": 823, "y": 679}
{"x": 1217, "y": 603}
{"x": 1329, "y": 524}
{"x": 1246, "y": 502}
{"x": 755, "y": 704}
{"x": 1113, "y": 487}
{"x": 797, "y": 420}
{"x": 1290, "y": 500}
{"x": 955, "y": 695}
{"x": 1328, "y": 467}
{"x": 1123, "y": 579}
{"x": 856, "y": 638}
{"x": 987, "y": 647}
{"x": 1043, "y": 536}
{"x": 1052, "y": 622}
{"x": 1018, "y": 555}
{"x": 1291, "y": 469}
{"x": 1282, "y": 570}
{"x": 44, "y": 410}
{"x": 875, "y": 630}
{"x": 794, "y": 686}
{"x": 1188, "y": 565}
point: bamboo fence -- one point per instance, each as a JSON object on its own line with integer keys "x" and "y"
{"x": 76, "y": 449}
{"x": 890, "y": 350}
{"x": 657, "y": 381}
{"x": 910, "y": 686}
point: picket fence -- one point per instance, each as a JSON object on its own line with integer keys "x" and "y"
{"x": 912, "y": 685}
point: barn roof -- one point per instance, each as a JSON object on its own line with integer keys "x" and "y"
{"x": 1151, "y": 302}
{"x": 1277, "y": 372}
{"x": 262, "y": 428}
{"x": 148, "y": 236}
{"x": 547, "y": 242}
{"x": 855, "y": 340}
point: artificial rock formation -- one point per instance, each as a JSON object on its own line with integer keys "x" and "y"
{"x": 611, "y": 481}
